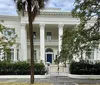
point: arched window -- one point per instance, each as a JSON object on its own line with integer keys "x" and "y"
{"x": 48, "y": 50}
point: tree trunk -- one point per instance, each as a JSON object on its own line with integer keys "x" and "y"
{"x": 31, "y": 41}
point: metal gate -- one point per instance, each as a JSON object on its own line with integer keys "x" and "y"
{"x": 57, "y": 69}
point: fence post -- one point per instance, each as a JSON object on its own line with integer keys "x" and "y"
{"x": 48, "y": 67}
{"x": 68, "y": 66}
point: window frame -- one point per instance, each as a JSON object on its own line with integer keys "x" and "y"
{"x": 34, "y": 34}
{"x": 49, "y": 35}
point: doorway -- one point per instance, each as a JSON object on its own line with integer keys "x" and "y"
{"x": 49, "y": 55}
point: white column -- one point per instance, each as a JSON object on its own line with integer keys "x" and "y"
{"x": 42, "y": 42}
{"x": 15, "y": 53}
{"x": 98, "y": 54}
{"x": 60, "y": 33}
{"x": 23, "y": 52}
{"x": 1, "y": 55}
{"x": 95, "y": 54}
{"x": 84, "y": 55}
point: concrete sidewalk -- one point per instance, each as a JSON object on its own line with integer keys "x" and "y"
{"x": 55, "y": 80}
{"x": 35, "y": 76}
{"x": 22, "y": 76}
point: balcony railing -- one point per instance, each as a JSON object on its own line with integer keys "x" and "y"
{"x": 38, "y": 40}
{"x": 51, "y": 40}
{"x": 47, "y": 42}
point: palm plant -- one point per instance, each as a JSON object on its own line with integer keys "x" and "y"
{"x": 32, "y": 7}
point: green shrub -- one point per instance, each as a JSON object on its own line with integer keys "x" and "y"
{"x": 85, "y": 67}
{"x": 39, "y": 68}
{"x": 20, "y": 68}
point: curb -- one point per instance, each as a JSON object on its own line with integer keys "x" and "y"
{"x": 84, "y": 76}
{"x": 22, "y": 76}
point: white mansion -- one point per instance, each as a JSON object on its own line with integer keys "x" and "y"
{"x": 48, "y": 29}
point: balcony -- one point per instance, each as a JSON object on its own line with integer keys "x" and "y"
{"x": 47, "y": 42}
{"x": 51, "y": 42}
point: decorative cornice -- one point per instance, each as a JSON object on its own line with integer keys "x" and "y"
{"x": 8, "y": 17}
{"x": 56, "y": 13}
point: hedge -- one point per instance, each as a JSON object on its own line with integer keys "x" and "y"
{"x": 20, "y": 68}
{"x": 85, "y": 67}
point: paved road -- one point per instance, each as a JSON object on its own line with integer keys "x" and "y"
{"x": 56, "y": 80}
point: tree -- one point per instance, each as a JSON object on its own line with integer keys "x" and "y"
{"x": 7, "y": 39}
{"x": 70, "y": 44}
{"x": 67, "y": 41}
{"x": 32, "y": 7}
{"x": 86, "y": 37}
{"x": 87, "y": 10}
{"x": 75, "y": 43}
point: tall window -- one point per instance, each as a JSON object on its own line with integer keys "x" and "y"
{"x": 35, "y": 58}
{"x": 90, "y": 54}
{"x": 49, "y": 35}
{"x": 9, "y": 54}
{"x": 1, "y": 53}
{"x": 34, "y": 35}
{"x": 17, "y": 54}
{"x": 12, "y": 54}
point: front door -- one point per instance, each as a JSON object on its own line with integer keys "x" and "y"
{"x": 49, "y": 58}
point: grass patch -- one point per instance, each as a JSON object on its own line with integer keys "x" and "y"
{"x": 17, "y": 83}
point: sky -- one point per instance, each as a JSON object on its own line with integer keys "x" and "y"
{"x": 7, "y": 7}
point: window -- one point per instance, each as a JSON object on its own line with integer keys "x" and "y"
{"x": 9, "y": 54}
{"x": 1, "y": 53}
{"x": 34, "y": 35}
{"x": 35, "y": 59}
{"x": 12, "y": 54}
{"x": 17, "y": 54}
{"x": 49, "y": 35}
{"x": 90, "y": 54}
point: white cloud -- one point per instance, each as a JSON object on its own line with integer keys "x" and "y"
{"x": 7, "y": 6}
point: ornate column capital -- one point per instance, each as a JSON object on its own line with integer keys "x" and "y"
{"x": 42, "y": 25}
{"x": 23, "y": 24}
{"x": 60, "y": 25}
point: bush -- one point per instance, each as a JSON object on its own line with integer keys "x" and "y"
{"x": 85, "y": 67}
{"x": 20, "y": 68}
